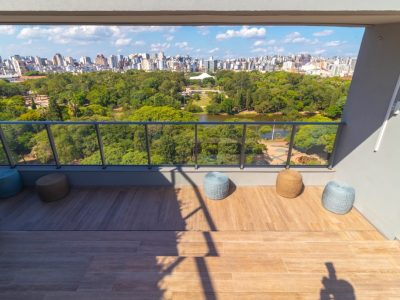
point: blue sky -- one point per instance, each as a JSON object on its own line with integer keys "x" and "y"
{"x": 197, "y": 41}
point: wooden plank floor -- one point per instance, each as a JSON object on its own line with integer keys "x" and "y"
{"x": 156, "y": 243}
{"x": 247, "y": 208}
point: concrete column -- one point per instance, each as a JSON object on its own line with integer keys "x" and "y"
{"x": 375, "y": 175}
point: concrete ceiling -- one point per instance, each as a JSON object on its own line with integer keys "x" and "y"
{"x": 338, "y": 12}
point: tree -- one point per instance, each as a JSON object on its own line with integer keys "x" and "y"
{"x": 316, "y": 138}
{"x": 193, "y": 108}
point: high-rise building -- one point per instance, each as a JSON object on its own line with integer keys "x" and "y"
{"x": 101, "y": 60}
{"x": 147, "y": 65}
{"x": 113, "y": 61}
{"x": 58, "y": 60}
{"x": 68, "y": 61}
{"x": 38, "y": 61}
{"x": 19, "y": 66}
{"x": 85, "y": 60}
{"x": 210, "y": 66}
{"x": 161, "y": 56}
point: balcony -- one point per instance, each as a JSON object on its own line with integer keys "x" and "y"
{"x": 147, "y": 231}
{"x": 166, "y": 243}
{"x": 115, "y": 237}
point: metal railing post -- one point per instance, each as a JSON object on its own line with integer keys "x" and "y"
{"x": 196, "y": 166}
{"x": 243, "y": 147}
{"x": 146, "y": 135}
{"x": 53, "y": 146}
{"x": 100, "y": 142}
{"x": 335, "y": 143}
{"x": 7, "y": 149}
{"x": 292, "y": 135}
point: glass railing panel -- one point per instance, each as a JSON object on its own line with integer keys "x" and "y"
{"x": 313, "y": 145}
{"x": 76, "y": 144}
{"x": 29, "y": 144}
{"x": 267, "y": 144}
{"x": 3, "y": 157}
{"x": 219, "y": 144}
{"x": 124, "y": 144}
{"x": 171, "y": 144}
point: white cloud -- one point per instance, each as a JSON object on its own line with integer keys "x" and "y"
{"x": 297, "y": 38}
{"x": 271, "y": 42}
{"x": 259, "y": 49}
{"x": 68, "y": 34}
{"x": 319, "y": 51}
{"x": 213, "y": 50}
{"x": 244, "y": 32}
{"x": 138, "y": 29}
{"x": 268, "y": 49}
{"x": 334, "y": 43}
{"x": 140, "y": 43}
{"x": 122, "y": 42}
{"x": 7, "y": 29}
{"x": 259, "y": 43}
{"x": 169, "y": 37}
{"x": 291, "y": 36}
{"x": 203, "y": 30}
{"x": 157, "y": 47}
{"x": 325, "y": 32}
{"x": 181, "y": 44}
{"x": 300, "y": 40}
{"x": 28, "y": 42}
{"x": 88, "y": 34}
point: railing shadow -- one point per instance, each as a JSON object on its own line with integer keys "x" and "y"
{"x": 155, "y": 218}
{"x": 334, "y": 288}
{"x": 205, "y": 276}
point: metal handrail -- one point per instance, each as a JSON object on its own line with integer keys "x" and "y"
{"x": 241, "y": 164}
{"x": 163, "y": 123}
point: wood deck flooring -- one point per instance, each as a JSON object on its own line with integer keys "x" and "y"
{"x": 247, "y": 208}
{"x": 164, "y": 243}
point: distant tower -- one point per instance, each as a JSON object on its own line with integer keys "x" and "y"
{"x": 58, "y": 60}
{"x": 113, "y": 61}
{"x": 100, "y": 60}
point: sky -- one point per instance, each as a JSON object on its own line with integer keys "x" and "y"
{"x": 197, "y": 41}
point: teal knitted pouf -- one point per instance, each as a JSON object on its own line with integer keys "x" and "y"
{"x": 10, "y": 182}
{"x": 216, "y": 185}
{"x": 338, "y": 197}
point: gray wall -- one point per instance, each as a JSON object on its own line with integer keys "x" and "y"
{"x": 375, "y": 175}
{"x": 136, "y": 176}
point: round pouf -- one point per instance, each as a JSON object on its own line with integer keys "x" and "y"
{"x": 338, "y": 197}
{"x": 10, "y": 182}
{"x": 289, "y": 183}
{"x": 52, "y": 187}
{"x": 216, "y": 185}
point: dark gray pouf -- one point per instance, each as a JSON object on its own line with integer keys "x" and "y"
{"x": 52, "y": 187}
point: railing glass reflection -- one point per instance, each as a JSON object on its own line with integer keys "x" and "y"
{"x": 241, "y": 144}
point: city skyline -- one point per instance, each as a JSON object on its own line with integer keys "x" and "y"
{"x": 222, "y": 42}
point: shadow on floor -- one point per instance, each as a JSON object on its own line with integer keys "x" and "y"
{"x": 334, "y": 288}
{"x": 112, "y": 241}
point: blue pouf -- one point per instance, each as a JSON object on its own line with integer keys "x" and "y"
{"x": 10, "y": 182}
{"x": 216, "y": 185}
{"x": 338, "y": 197}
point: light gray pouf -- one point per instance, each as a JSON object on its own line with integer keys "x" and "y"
{"x": 338, "y": 197}
{"x": 216, "y": 185}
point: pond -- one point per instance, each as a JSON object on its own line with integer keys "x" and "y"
{"x": 252, "y": 117}
{"x": 276, "y": 131}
